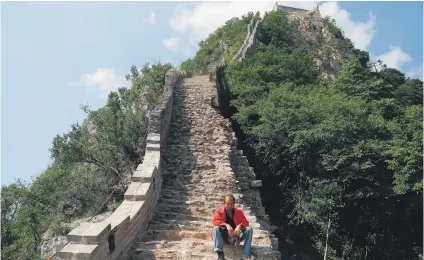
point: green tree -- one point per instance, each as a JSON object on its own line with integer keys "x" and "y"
{"x": 88, "y": 162}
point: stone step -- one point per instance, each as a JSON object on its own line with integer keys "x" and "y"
{"x": 174, "y": 254}
{"x": 181, "y": 216}
{"x": 194, "y": 210}
{"x": 202, "y": 134}
{"x": 158, "y": 224}
{"x": 200, "y": 248}
{"x": 170, "y": 193}
{"x": 209, "y": 204}
{"x": 189, "y": 202}
{"x": 195, "y": 178}
{"x": 193, "y": 243}
{"x": 202, "y": 147}
{"x": 190, "y": 199}
{"x": 201, "y": 165}
{"x": 201, "y": 191}
{"x": 198, "y": 226}
{"x": 230, "y": 254}
{"x": 182, "y": 234}
{"x": 207, "y": 185}
{"x": 203, "y": 178}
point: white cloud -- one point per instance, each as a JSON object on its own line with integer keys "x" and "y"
{"x": 204, "y": 18}
{"x": 151, "y": 19}
{"x": 104, "y": 78}
{"x": 199, "y": 21}
{"x": 395, "y": 57}
{"x": 171, "y": 43}
{"x": 416, "y": 72}
{"x": 360, "y": 33}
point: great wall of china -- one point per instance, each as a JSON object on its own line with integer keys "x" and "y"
{"x": 191, "y": 161}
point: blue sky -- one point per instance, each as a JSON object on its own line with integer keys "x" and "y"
{"x": 59, "y": 55}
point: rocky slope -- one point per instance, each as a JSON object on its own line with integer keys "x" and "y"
{"x": 320, "y": 37}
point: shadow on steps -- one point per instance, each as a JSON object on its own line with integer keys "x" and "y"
{"x": 178, "y": 161}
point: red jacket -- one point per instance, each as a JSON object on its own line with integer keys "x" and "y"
{"x": 239, "y": 218}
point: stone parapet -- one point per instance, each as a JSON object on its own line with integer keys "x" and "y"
{"x": 249, "y": 41}
{"x": 113, "y": 237}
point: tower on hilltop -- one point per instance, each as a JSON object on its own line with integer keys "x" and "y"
{"x": 289, "y": 9}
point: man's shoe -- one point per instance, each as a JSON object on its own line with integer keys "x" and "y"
{"x": 221, "y": 255}
{"x": 246, "y": 258}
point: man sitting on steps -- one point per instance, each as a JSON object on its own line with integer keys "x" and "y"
{"x": 231, "y": 225}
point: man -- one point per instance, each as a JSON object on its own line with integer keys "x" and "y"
{"x": 230, "y": 224}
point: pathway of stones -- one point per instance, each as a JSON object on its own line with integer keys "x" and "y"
{"x": 201, "y": 165}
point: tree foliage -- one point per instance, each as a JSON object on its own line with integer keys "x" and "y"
{"x": 340, "y": 156}
{"x": 88, "y": 161}
{"x": 223, "y": 43}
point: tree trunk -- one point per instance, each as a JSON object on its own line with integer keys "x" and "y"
{"x": 326, "y": 240}
{"x": 101, "y": 165}
{"x": 353, "y": 240}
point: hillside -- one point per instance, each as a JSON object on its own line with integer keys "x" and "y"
{"x": 222, "y": 44}
{"x": 337, "y": 144}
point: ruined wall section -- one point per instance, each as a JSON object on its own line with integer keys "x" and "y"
{"x": 250, "y": 42}
{"x": 112, "y": 238}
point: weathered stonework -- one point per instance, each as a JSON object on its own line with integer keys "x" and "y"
{"x": 191, "y": 161}
{"x": 250, "y": 42}
{"x": 289, "y": 9}
{"x": 111, "y": 239}
{"x": 202, "y": 164}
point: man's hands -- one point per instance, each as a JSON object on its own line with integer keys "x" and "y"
{"x": 237, "y": 231}
{"x": 233, "y": 232}
{"x": 230, "y": 230}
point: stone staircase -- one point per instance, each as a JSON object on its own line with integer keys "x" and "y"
{"x": 201, "y": 165}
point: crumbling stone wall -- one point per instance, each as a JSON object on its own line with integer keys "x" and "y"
{"x": 113, "y": 237}
{"x": 250, "y": 42}
{"x": 288, "y": 9}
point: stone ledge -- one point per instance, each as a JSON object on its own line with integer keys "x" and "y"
{"x": 129, "y": 208}
{"x": 118, "y": 221}
{"x": 89, "y": 233}
{"x": 138, "y": 191}
{"x": 144, "y": 173}
{"x": 152, "y": 147}
{"x": 77, "y": 251}
{"x": 256, "y": 184}
{"x": 153, "y": 139}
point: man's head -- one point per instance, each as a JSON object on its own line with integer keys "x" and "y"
{"x": 229, "y": 202}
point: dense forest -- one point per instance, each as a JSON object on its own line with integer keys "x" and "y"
{"x": 341, "y": 158}
{"x": 89, "y": 161}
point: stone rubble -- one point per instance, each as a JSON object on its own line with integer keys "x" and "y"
{"x": 201, "y": 165}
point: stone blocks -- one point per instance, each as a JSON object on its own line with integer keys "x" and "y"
{"x": 111, "y": 238}
{"x": 256, "y": 184}
{"x": 89, "y": 233}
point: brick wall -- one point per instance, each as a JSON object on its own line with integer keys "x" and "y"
{"x": 112, "y": 238}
